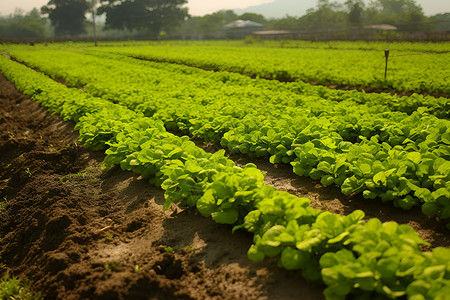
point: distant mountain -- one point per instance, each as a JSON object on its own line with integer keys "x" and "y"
{"x": 297, "y": 8}
{"x": 280, "y": 8}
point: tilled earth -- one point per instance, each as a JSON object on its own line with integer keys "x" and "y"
{"x": 76, "y": 231}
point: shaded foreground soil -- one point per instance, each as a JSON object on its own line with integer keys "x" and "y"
{"x": 79, "y": 232}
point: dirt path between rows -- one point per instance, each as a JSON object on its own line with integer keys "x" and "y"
{"x": 78, "y": 232}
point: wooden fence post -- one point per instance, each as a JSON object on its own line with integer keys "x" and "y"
{"x": 386, "y": 54}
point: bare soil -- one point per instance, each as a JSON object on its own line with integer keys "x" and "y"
{"x": 76, "y": 231}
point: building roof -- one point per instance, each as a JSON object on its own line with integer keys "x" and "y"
{"x": 243, "y": 24}
{"x": 275, "y": 32}
{"x": 381, "y": 27}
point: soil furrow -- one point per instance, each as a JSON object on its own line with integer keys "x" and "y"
{"x": 77, "y": 231}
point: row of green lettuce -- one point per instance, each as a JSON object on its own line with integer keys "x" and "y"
{"x": 368, "y": 149}
{"x": 405, "y": 47}
{"x": 424, "y": 72}
{"x": 291, "y": 91}
{"x": 349, "y": 256}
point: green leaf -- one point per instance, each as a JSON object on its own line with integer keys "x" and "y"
{"x": 365, "y": 168}
{"x": 433, "y": 273}
{"x": 331, "y": 259}
{"x": 418, "y": 290}
{"x": 167, "y": 204}
{"x": 351, "y": 185}
{"x": 206, "y": 205}
{"x": 308, "y": 244}
{"x": 390, "y": 228}
{"x": 369, "y": 194}
{"x": 251, "y": 221}
{"x": 423, "y": 194}
{"x": 366, "y": 281}
{"x": 415, "y": 157}
{"x": 354, "y": 217}
{"x": 373, "y": 224}
{"x": 338, "y": 238}
{"x": 293, "y": 259}
{"x": 325, "y": 167}
{"x": 227, "y": 216}
{"x": 442, "y": 196}
{"x": 286, "y": 238}
{"x": 407, "y": 203}
{"x": 393, "y": 293}
{"x": 445, "y": 138}
{"x": 255, "y": 254}
{"x": 387, "y": 268}
{"x": 327, "y": 180}
{"x": 430, "y": 209}
{"x": 380, "y": 178}
{"x": 270, "y": 237}
{"x": 330, "y": 276}
{"x": 441, "y": 255}
{"x": 316, "y": 174}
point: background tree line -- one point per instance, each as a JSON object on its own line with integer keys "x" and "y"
{"x": 21, "y": 25}
{"x": 151, "y": 18}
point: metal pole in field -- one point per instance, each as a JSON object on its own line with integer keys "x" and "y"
{"x": 386, "y": 54}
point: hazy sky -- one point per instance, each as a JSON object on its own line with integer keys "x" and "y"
{"x": 201, "y": 7}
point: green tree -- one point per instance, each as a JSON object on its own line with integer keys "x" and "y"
{"x": 215, "y": 22}
{"x": 327, "y": 16}
{"x": 441, "y": 22}
{"x": 407, "y": 15}
{"x": 190, "y": 26}
{"x": 396, "y": 7}
{"x": 18, "y": 25}
{"x": 67, "y": 16}
{"x": 207, "y": 25}
{"x": 151, "y": 16}
{"x": 253, "y": 17}
{"x": 286, "y": 23}
{"x": 356, "y": 12}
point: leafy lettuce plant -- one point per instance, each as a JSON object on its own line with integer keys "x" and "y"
{"x": 185, "y": 182}
{"x": 231, "y": 194}
{"x": 378, "y": 258}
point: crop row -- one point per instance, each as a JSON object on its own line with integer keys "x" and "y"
{"x": 418, "y": 72}
{"x": 238, "y": 86}
{"x": 350, "y": 256}
{"x": 362, "y": 148}
{"x": 405, "y": 47}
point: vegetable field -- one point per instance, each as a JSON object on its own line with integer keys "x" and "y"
{"x": 183, "y": 116}
{"x": 411, "y": 68}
